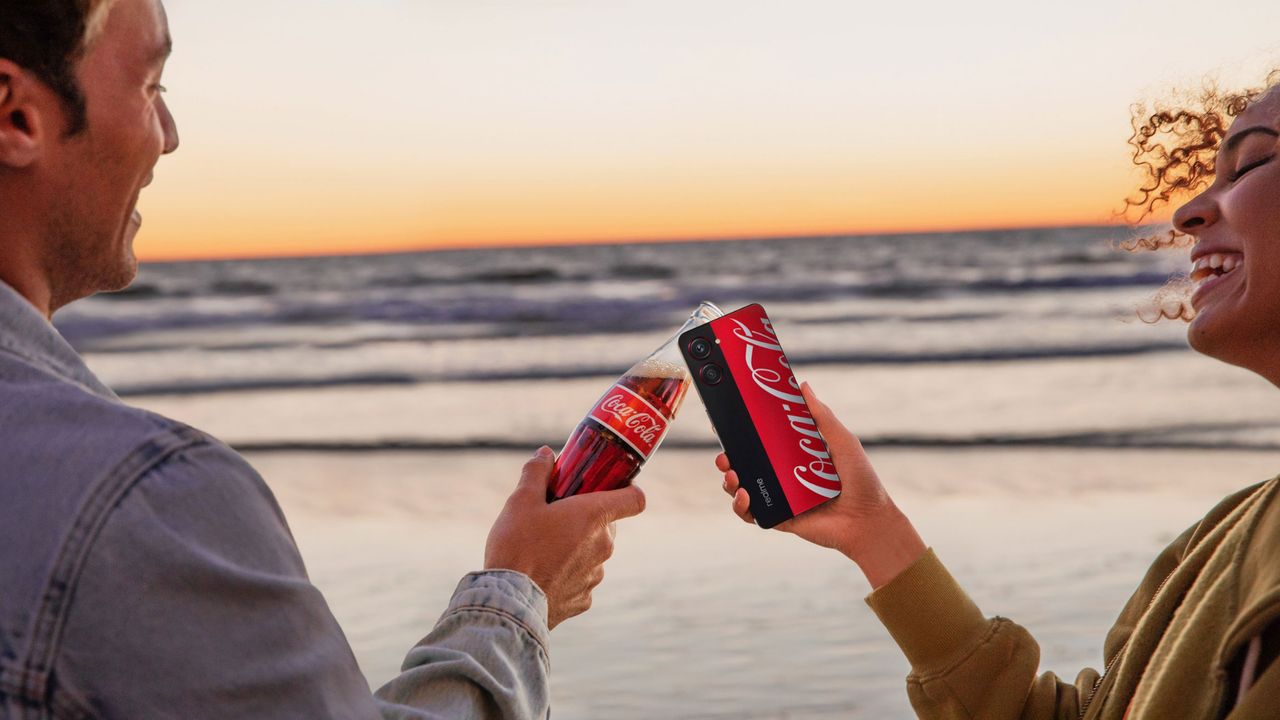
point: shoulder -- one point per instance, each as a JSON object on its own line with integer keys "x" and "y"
{"x": 202, "y": 495}
{"x": 1259, "y": 583}
{"x": 56, "y": 432}
{"x": 71, "y": 455}
{"x": 194, "y": 595}
{"x": 76, "y": 459}
{"x": 1223, "y": 510}
{"x": 1167, "y": 562}
{"x": 67, "y": 443}
{"x": 67, "y": 457}
{"x": 74, "y": 455}
{"x": 157, "y": 554}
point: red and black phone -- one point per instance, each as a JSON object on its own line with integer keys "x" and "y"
{"x": 759, "y": 415}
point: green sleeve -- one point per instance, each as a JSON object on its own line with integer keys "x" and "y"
{"x": 965, "y": 665}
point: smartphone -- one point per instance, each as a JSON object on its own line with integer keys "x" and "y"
{"x": 759, "y": 415}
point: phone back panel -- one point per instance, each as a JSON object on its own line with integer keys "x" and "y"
{"x": 762, "y": 421}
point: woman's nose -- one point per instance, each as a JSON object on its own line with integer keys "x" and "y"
{"x": 1199, "y": 213}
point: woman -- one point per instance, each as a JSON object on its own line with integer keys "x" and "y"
{"x": 1200, "y": 637}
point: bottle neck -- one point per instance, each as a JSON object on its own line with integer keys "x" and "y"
{"x": 668, "y": 354}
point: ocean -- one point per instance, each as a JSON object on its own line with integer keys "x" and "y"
{"x": 1045, "y": 440}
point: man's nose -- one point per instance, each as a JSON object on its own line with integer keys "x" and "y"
{"x": 170, "y": 128}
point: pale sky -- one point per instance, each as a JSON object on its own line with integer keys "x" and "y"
{"x": 320, "y": 126}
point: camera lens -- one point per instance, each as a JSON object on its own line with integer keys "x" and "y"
{"x": 712, "y": 374}
{"x": 700, "y": 349}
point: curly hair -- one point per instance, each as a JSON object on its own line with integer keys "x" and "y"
{"x": 48, "y": 38}
{"x": 1175, "y": 146}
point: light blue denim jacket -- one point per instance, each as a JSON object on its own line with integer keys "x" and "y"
{"x": 146, "y": 571}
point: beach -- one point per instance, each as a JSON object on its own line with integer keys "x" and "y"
{"x": 703, "y": 616}
{"x": 1045, "y": 442}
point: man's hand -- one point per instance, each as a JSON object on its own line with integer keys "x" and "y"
{"x": 561, "y": 545}
{"x": 863, "y": 522}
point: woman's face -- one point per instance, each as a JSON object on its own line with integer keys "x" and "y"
{"x": 1236, "y": 258}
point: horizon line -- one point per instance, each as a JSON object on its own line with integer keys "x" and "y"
{"x": 606, "y": 242}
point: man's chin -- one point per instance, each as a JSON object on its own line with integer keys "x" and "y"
{"x": 120, "y": 274}
{"x": 127, "y": 271}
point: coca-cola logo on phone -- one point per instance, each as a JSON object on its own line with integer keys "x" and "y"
{"x": 796, "y": 447}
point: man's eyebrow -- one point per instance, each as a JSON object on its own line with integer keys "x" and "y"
{"x": 1234, "y": 141}
{"x": 161, "y": 53}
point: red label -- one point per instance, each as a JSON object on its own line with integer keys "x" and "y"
{"x": 631, "y": 418}
{"x": 778, "y": 410}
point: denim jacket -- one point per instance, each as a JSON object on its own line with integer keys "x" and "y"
{"x": 146, "y": 571}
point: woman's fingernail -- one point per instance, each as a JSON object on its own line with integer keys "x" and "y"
{"x": 545, "y": 452}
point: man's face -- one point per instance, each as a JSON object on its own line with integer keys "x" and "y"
{"x": 102, "y": 170}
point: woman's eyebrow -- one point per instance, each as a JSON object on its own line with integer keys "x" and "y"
{"x": 1234, "y": 141}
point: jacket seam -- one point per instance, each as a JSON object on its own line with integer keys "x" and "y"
{"x": 66, "y": 706}
{"x": 62, "y": 704}
{"x": 507, "y": 615}
{"x": 35, "y": 675}
{"x": 1236, "y": 600}
{"x": 993, "y": 627}
{"x": 46, "y": 365}
{"x": 527, "y": 600}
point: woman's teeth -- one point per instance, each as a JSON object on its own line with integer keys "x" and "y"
{"x": 1214, "y": 265}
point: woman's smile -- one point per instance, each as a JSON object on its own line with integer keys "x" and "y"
{"x": 1212, "y": 270}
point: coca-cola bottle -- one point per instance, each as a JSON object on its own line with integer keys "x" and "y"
{"x": 628, "y": 422}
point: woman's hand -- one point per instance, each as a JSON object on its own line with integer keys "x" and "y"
{"x": 863, "y": 523}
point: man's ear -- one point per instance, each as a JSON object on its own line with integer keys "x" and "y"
{"x": 24, "y": 124}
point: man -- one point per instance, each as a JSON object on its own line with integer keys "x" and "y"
{"x": 145, "y": 569}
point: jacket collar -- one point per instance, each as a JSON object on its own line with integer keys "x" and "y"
{"x": 26, "y": 333}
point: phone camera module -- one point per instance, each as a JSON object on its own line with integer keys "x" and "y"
{"x": 700, "y": 349}
{"x": 712, "y": 374}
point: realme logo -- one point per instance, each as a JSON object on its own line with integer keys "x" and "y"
{"x": 764, "y": 492}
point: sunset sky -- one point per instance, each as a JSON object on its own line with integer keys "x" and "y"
{"x": 318, "y": 126}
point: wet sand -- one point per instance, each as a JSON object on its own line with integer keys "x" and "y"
{"x": 1046, "y": 444}
{"x": 702, "y": 616}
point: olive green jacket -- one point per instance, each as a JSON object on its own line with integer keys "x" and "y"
{"x": 1204, "y": 599}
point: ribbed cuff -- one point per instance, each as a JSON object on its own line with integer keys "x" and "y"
{"x": 928, "y": 614}
{"x": 509, "y": 593}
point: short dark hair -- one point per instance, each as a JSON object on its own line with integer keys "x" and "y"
{"x": 47, "y": 37}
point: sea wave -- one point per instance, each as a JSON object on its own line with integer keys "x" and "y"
{"x": 588, "y": 370}
{"x": 575, "y": 289}
{"x": 1190, "y": 436}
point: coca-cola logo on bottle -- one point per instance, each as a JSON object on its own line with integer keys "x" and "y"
{"x": 771, "y": 372}
{"x": 631, "y": 418}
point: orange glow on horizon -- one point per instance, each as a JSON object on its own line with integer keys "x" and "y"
{"x": 297, "y": 220}
{"x": 151, "y": 250}
{"x": 449, "y": 125}
{"x": 286, "y": 240}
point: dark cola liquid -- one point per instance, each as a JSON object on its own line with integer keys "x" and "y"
{"x": 595, "y": 458}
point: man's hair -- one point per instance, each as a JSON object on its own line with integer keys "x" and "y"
{"x": 48, "y": 38}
